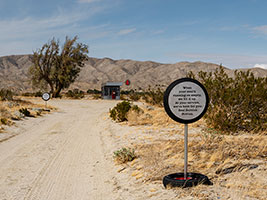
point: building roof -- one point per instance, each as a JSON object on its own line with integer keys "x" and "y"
{"x": 112, "y": 84}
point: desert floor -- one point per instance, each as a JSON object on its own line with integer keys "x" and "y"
{"x": 68, "y": 154}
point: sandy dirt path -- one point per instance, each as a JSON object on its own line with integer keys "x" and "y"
{"x": 58, "y": 156}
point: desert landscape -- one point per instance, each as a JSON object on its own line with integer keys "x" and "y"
{"x": 69, "y": 154}
{"x": 79, "y": 146}
{"x": 133, "y": 100}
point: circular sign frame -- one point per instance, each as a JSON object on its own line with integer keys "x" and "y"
{"x": 46, "y": 96}
{"x": 174, "y": 86}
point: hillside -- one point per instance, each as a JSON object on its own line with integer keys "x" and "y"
{"x": 14, "y": 69}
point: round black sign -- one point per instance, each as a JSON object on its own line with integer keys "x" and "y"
{"x": 46, "y": 96}
{"x": 186, "y": 100}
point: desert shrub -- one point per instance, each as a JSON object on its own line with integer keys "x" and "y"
{"x": 120, "y": 111}
{"x": 25, "y": 112}
{"x": 236, "y": 104}
{"x": 75, "y": 94}
{"x": 38, "y": 94}
{"x": 137, "y": 109}
{"x": 124, "y": 155}
{"x": 126, "y": 92}
{"x": 134, "y": 96}
{"x": 32, "y": 94}
{"x": 154, "y": 96}
{"x": 27, "y": 94}
{"x": 94, "y": 91}
{"x": 6, "y": 95}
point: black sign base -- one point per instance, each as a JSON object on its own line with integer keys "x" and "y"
{"x": 178, "y": 180}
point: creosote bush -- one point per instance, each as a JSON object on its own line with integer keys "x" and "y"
{"x": 154, "y": 96}
{"x": 75, "y": 94}
{"x": 124, "y": 155}
{"x": 120, "y": 111}
{"x": 32, "y": 94}
{"x": 6, "y": 95}
{"x": 236, "y": 104}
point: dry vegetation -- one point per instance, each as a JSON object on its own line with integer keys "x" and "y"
{"x": 235, "y": 163}
{"x": 16, "y": 109}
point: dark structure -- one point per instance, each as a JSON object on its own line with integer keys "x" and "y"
{"x": 111, "y": 90}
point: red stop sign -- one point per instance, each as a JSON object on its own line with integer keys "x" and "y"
{"x": 127, "y": 82}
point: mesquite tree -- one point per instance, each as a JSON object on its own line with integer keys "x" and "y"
{"x": 58, "y": 67}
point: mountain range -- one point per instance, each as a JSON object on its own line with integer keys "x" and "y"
{"x": 142, "y": 74}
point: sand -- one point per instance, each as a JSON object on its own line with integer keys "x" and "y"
{"x": 57, "y": 156}
{"x": 68, "y": 155}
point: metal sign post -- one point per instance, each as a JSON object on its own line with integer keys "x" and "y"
{"x": 46, "y": 97}
{"x": 185, "y": 150}
{"x": 185, "y": 101}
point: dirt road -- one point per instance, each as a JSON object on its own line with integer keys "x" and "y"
{"x": 58, "y": 156}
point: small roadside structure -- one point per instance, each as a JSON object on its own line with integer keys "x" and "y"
{"x": 111, "y": 90}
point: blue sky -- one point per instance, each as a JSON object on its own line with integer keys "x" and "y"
{"x": 231, "y": 32}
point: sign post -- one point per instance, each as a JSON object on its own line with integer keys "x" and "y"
{"x": 185, "y": 101}
{"x": 46, "y": 97}
{"x": 185, "y": 150}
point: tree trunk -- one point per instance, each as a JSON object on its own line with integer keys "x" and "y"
{"x": 58, "y": 90}
{"x": 51, "y": 87}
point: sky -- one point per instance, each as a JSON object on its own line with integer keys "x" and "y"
{"x": 228, "y": 32}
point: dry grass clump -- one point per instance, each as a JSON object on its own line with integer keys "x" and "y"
{"x": 5, "y": 116}
{"x": 156, "y": 116}
{"x": 16, "y": 108}
{"x": 207, "y": 154}
{"x": 218, "y": 157}
{"x": 124, "y": 155}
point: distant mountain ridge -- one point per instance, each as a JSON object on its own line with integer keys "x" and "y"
{"x": 142, "y": 74}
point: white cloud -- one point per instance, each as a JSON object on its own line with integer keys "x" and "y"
{"x": 29, "y": 33}
{"x": 260, "y": 29}
{"x": 263, "y": 66}
{"x": 126, "y": 31}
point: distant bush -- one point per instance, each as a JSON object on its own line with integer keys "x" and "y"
{"x": 154, "y": 96}
{"x": 94, "y": 91}
{"x": 134, "y": 96}
{"x": 32, "y": 94}
{"x": 75, "y": 94}
{"x": 120, "y": 111}
{"x": 236, "y": 104}
{"x": 124, "y": 155}
{"x": 6, "y": 95}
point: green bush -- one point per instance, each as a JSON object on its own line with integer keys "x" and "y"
{"x": 154, "y": 96}
{"x": 75, "y": 94}
{"x": 134, "y": 96}
{"x": 94, "y": 91}
{"x": 137, "y": 109}
{"x": 236, "y": 104}
{"x": 124, "y": 155}
{"x": 6, "y": 95}
{"x": 32, "y": 94}
{"x": 119, "y": 112}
